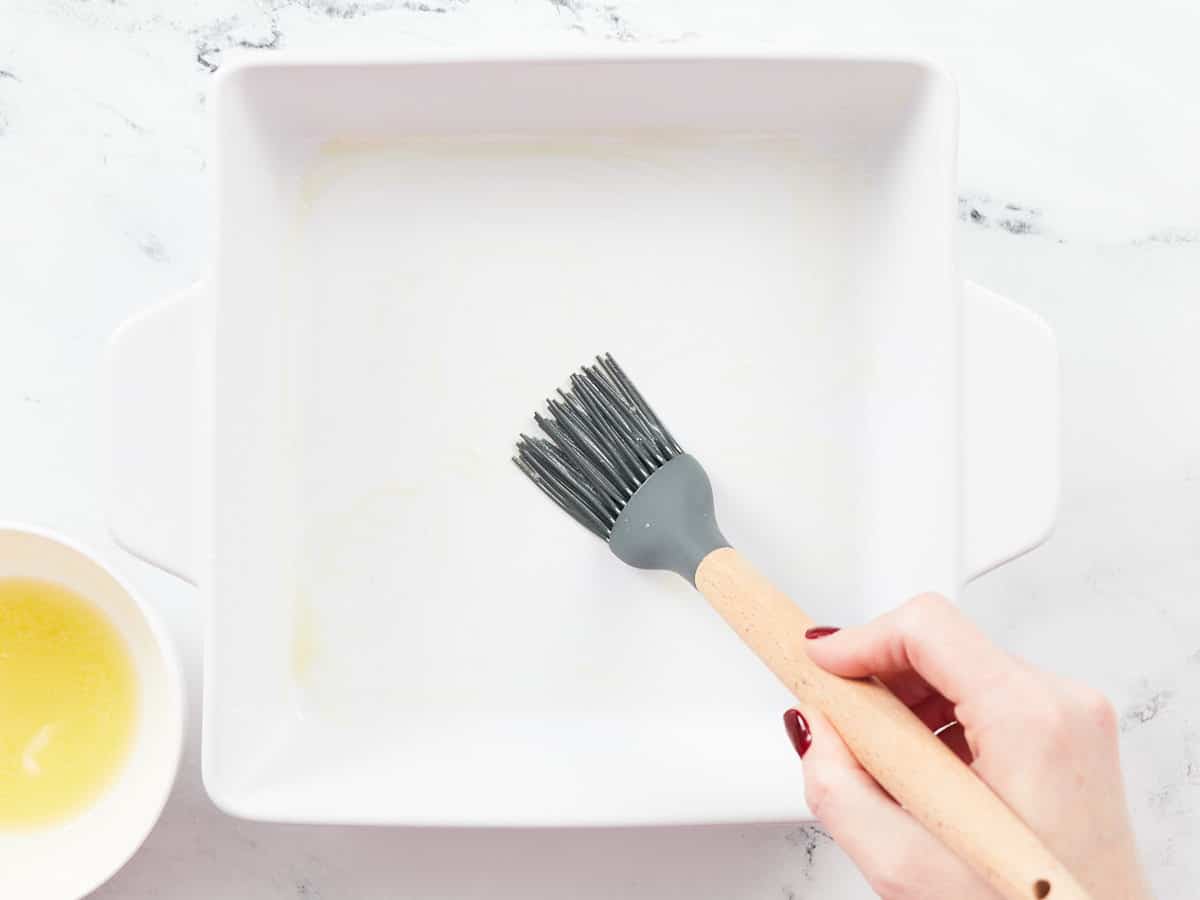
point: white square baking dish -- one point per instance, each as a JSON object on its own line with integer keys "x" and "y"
{"x": 410, "y": 254}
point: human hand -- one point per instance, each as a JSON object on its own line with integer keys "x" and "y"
{"x": 1045, "y": 745}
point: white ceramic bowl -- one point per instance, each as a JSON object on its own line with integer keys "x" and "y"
{"x": 74, "y": 857}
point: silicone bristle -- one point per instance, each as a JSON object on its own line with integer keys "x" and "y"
{"x": 602, "y": 442}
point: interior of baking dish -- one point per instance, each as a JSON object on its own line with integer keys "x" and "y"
{"x": 410, "y": 258}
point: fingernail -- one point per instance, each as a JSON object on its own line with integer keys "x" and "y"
{"x": 797, "y": 730}
{"x": 821, "y": 631}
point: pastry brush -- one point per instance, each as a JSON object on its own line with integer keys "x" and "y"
{"x": 611, "y": 464}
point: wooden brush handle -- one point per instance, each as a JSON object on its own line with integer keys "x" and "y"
{"x": 890, "y": 742}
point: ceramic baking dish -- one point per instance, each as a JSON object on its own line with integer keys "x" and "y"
{"x": 409, "y": 255}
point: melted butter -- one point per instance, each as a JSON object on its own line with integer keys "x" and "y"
{"x": 68, "y": 702}
{"x": 304, "y": 639}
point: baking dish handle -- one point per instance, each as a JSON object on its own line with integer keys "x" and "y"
{"x": 153, "y": 432}
{"x": 1011, "y": 415}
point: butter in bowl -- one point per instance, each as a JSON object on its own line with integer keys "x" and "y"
{"x": 91, "y": 717}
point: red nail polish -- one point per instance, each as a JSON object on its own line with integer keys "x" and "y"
{"x": 797, "y": 730}
{"x": 822, "y": 631}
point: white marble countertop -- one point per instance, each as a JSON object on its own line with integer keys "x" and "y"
{"x": 1079, "y": 198}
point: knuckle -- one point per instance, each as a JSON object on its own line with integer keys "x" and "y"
{"x": 923, "y": 609}
{"x": 1096, "y": 710}
{"x": 915, "y": 621}
{"x": 1063, "y": 718}
{"x": 1049, "y": 721}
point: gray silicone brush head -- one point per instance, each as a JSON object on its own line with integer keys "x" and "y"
{"x": 610, "y": 463}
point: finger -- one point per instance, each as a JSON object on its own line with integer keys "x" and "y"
{"x": 938, "y": 715}
{"x": 954, "y": 737}
{"x": 926, "y": 635}
{"x": 897, "y": 855}
{"x": 936, "y": 712}
{"x": 909, "y": 687}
